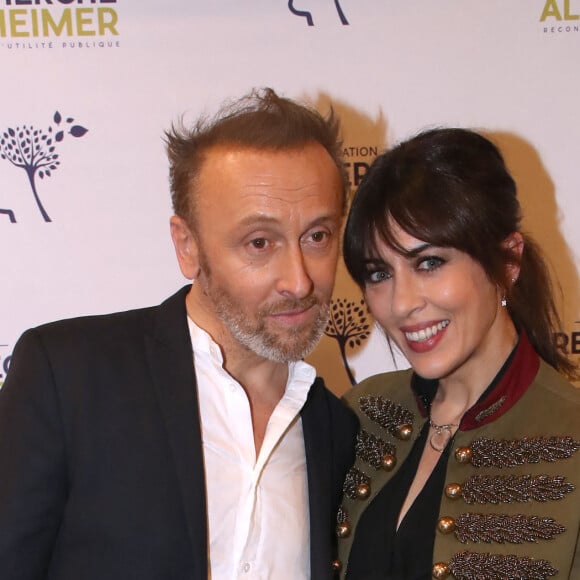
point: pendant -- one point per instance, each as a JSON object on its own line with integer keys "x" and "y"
{"x": 440, "y": 438}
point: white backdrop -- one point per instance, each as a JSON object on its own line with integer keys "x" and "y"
{"x": 123, "y": 71}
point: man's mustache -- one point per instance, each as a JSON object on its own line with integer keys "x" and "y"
{"x": 291, "y": 305}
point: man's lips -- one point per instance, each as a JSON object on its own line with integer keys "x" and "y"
{"x": 294, "y": 316}
{"x": 295, "y": 313}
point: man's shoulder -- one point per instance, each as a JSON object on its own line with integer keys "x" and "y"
{"x": 323, "y": 409}
{"x": 321, "y": 394}
{"x": 93, "y": 324}
{"x": 110, "y": 327}
{"x": 95, "y": 319}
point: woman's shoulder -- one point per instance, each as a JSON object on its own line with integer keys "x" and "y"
{"x": 550, "y": 406}
{"x": 392, "y": 385}
{"x": 550, "y": 383}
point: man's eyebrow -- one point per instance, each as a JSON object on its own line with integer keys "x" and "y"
{"x": 259, "y": 218}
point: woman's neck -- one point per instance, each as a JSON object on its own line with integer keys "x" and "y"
{"x": 461, "y": 390}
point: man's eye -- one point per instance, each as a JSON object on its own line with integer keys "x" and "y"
{"x": 259, "y": 243}
{"x": 318, "y": 237}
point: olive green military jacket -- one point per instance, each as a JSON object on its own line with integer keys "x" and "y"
{"x": 511, "y": 501}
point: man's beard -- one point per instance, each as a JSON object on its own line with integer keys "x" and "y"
{"x": 288, "y": 344}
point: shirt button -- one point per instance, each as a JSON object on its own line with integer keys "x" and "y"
{"x": 246, "y": 568}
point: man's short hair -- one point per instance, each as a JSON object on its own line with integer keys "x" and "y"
{"x": 259, "y": 120}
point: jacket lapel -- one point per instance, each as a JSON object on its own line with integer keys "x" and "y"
{"x": 171, "y": 362}
{"x": 317, "y": 441}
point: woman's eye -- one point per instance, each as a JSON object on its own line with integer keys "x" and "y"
{"x": 430, "y": 263}
{"x": 375, "y": 276}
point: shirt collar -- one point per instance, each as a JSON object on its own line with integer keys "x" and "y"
{"x": 203, "y": 344}
{"x": 301, "y": 375}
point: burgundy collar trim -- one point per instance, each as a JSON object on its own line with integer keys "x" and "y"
{"x": 509, "y": 385}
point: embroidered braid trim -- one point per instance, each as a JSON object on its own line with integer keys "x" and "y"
{"x": 388, "y": 415}
{"x": 354, "y": 478}
{"x": 372, "y": 449}
{"x": 501, "y": 528}
{"x": 511, "y": 452}
{"x": 496, "y": 489}
{"x": 472, "y": 565}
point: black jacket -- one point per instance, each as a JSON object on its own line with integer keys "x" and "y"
{"x": 101, "y": 467}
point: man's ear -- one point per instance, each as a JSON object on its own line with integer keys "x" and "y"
{"x": 514, "y": 243}
{"x": 186, "y": 247}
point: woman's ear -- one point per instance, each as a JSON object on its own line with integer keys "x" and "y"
{"x": 514, "y": 243}
{"x": 186, "y": 247}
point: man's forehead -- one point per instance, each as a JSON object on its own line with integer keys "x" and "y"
{"x": 253, "y": 171}
{"x": 239, "y": 152}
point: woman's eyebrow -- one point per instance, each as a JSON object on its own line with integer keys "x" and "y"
{"x": 407, "y": 253}
{"x": 412, "y": 252}
{"x": 374, "y": 262}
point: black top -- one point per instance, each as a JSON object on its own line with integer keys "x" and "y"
{"x": 379, "y": 550}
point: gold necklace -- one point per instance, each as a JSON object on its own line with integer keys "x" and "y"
{"x": 442, "y": 435}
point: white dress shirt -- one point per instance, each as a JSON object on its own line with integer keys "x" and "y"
{"x": 258, "y": 516}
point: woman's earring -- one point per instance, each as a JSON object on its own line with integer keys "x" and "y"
{"x": 504, "y": 299}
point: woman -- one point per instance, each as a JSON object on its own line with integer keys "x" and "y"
{"x": 467, "y": 462}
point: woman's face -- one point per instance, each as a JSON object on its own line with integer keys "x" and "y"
{"x": 438, "y": 305}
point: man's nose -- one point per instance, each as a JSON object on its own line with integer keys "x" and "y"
{"x": 294, "y": 277}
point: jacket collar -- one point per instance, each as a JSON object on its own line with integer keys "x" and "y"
{"x": 508, "y": 386}
{"x": 170, "y": 361}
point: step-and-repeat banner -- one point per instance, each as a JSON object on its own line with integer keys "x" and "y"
{"x": 88, "y": 86}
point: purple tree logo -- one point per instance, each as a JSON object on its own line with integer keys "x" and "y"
{"x": 308, "y": 15}
{"x": 34, "y": 151}
{"x": 348, "y": 325}
{"x": 10, "y": 215}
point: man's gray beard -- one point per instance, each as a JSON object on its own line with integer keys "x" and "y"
{"x": 269, "y": 345}
{"x": 254, "y": 336}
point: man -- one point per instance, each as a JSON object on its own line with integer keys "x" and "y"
{"x": 190, "y": 440}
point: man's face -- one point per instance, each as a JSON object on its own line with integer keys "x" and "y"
{"x": 266, "y": 237}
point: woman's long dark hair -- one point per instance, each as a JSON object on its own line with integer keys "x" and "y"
{"x": 451, "y": 188}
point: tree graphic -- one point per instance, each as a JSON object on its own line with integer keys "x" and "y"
{"x": 308, "y": 15}
{"x": 348, "y": 325}
{"x": 10, "y": 215}
{"x": 34, "y": 151}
